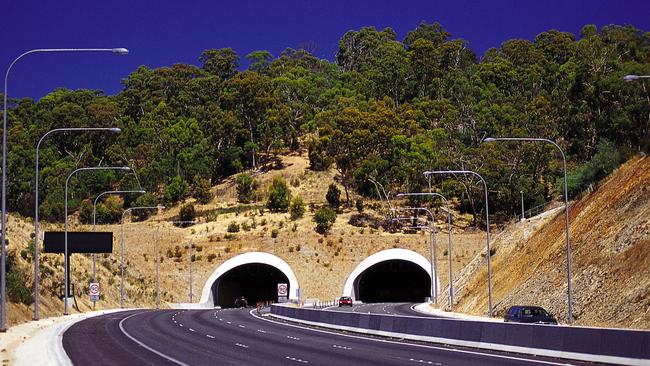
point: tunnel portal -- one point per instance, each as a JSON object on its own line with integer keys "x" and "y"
{"x": 255, "y": 281}
{"x": 393, "y": 280}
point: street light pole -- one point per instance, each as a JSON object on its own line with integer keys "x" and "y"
{"x": 95, "y": 224}
{"x": 65, "y": 233}
{"x": 566, "y": 212}
{"x": 487, "y": 223}
{"x": 3, "y": 228}
{"x": 433, "y": 249}
{"x": 523, "y": 214}
{"x": 36, "y": 246}
{"x": 449, "y": 246}
{"x": 122, "y": 248}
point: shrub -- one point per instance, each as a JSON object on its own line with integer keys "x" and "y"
{"x": 295, "y": 182}
{"x": 17, "y": 290}
{"x": 176, "y": 190}
{"x": 147, "y": 200}
{"x": 201, "y": 189}
{"x": 246, "y": 187}
{"x": 297, "y": 208}
{"x": 324, "y": 219}
{"x": 274, "y": 233}
{"x": 233, "y": 227}
{"x": 187, "y": 212}
{"x": 607, "y": 158}
{"x": 359, "y": 205}
{"x": 211, "y": 257}
{"x": 279, "y": 196}
{"x": 333, "y": 196}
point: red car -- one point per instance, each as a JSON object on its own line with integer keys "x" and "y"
{"x": 345, "y": 300}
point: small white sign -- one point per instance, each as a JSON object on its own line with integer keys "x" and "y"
{"x": 93, "y": 291}
{"x": 283, "y": 289}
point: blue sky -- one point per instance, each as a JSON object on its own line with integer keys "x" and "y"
{"x": 161, "y": 33}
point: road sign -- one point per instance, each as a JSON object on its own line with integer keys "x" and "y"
{"x": 283, "y": 289}
{"x": 93, "y": 291}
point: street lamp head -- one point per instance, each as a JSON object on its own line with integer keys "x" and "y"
{"x": 160, "y": 207}
{"x": 141, "y": 191}
{"x": 125, "y": 168}
{"x": 400, "y": 195}
{"x": 489, "y": 139}
{"x": 115, "y": 130}
{"x": 120, "y": 51}
{"x": 629, "y": 78}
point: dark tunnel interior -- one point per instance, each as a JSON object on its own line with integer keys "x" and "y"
{"x": 255, "y": 281}
{"x": 393, "y": 281}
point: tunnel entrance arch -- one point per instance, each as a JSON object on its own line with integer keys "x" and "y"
{"x": 254, "y": 275}
{"x": 392, "y": 275}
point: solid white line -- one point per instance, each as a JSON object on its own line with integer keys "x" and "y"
{"x": 410, "y": 344}
{"x": 145, "y": 346}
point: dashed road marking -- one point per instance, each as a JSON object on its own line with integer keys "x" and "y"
{"x": 261, "y": 331}
{"x": 229, "y": 322}
{"x": 241, "y": 345}
{"x": 296, "y": 359}
{"x": 341, "y": 347}
{"x": 180, "y": 325}
{"x": 294, "y": 338}
{"x": 210, "y": 336}
{"x": 241, "y": 326}
{"x": 426, "y": 362}
{"x": 192, "y": 330}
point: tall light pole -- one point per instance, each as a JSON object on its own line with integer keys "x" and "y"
{"x": 122, "y": 247}
{"x": 449, "y": 247}
{"x": 487, "y": 223}
{"x": 433, "y": 249}
{"x": 95, "y": 223}
{"x": 38, "y": 145}
{"x": 65, "y": 233}
{"x": 3, "y": 229}
{"x": 566, "y": 212}
{"x": 523, "y": 213}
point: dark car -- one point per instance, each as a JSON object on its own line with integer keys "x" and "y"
{"x": 529, "y": 314}
{"x": 241, "y": 302}
{"x": 345, "y": 300}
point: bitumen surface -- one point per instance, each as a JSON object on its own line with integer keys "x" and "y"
{"x": 241, "y": 337}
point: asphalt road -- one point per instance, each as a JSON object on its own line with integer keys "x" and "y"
{"x": 237, "y": 337}
{"x": 384, "y": 308}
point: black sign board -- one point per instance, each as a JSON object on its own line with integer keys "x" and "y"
{"x": 78, "y": 242}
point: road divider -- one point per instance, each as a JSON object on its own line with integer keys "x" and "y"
{"x": 616, "y": 346}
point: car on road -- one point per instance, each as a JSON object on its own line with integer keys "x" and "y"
{"x": 241, "y": 302}
{"x": 529, "y": 314}
{"x": 345, "y": 300}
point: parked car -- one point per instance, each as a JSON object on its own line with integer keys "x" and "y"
{"x": 345, "y": 300}
{"x": 529, "y": 314}
{"x": 241, "y": 302}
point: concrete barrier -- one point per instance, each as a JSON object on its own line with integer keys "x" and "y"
{"x": 618, "y": 346}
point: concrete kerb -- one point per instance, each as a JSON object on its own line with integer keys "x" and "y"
{"x": 41, "y": 342}
{"x": 458, "y": 332}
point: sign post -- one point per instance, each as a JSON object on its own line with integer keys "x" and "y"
{"x": 93, "y": 291}
{"x": 283, "y": 291}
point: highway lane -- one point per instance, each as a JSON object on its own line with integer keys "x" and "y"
{"x": 385, "y": 308}
{"x": 236, "y": 337}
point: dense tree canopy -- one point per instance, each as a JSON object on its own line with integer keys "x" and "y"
{"x": 385, "y": 109}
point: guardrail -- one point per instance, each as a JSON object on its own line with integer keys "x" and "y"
{"x": 618, "y": 346}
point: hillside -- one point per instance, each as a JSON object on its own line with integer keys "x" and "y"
{"x": 322, "y": 262}
{"x": 523, "y": 251}
{"x": 610, "y": 238}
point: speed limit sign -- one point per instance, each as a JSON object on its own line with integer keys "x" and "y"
{"x": 93, "y": 291}
{"x": 283, "y": 290}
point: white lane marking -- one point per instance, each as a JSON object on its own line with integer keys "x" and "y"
{"x": 261, "y": 331}
{"x": 192, "y": 330}
{"x": 341, "y": 347}
{"x": 426, "y": 362}
{"x": 210, "y": 336}
{"x": 241, "y": 326}
{"x": 241, "y": 345}
{"x": 145, "y": 346}
{"x": 294, "y": 338}
{"x": 180, "y": 325}
{"x": 175, "y": 322}
{"x": 296, "y": 359}
{"x": 229, "y": 322}
{"x": 484, "y": 354}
